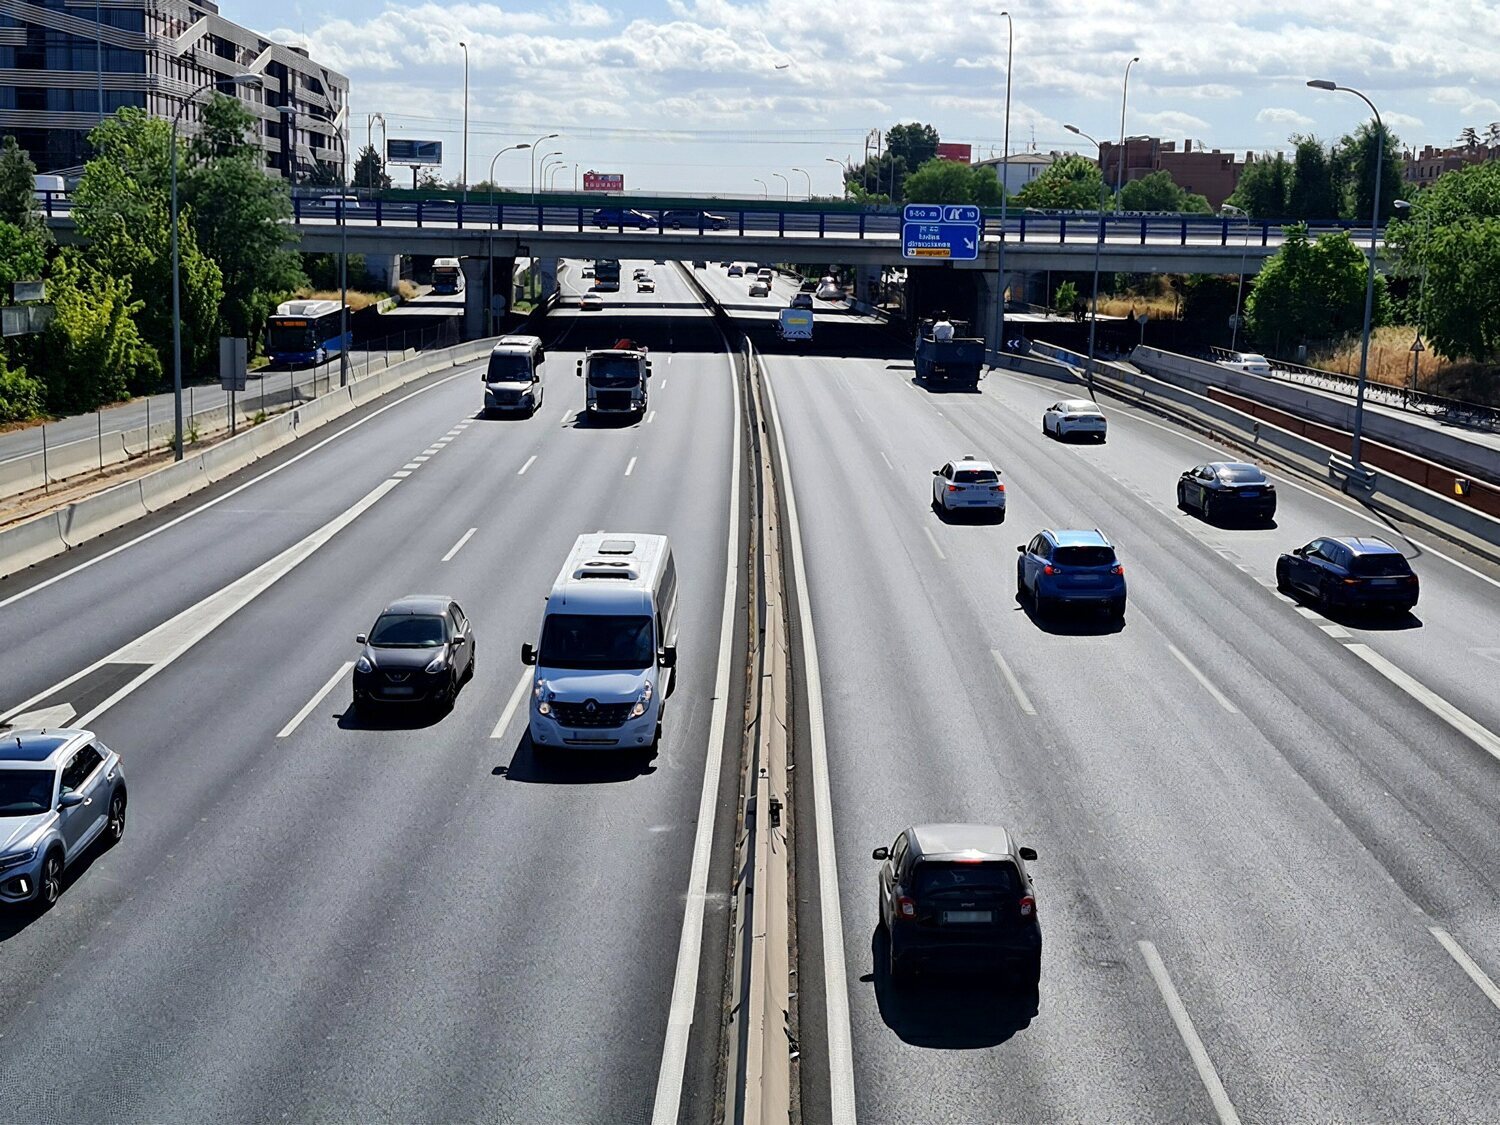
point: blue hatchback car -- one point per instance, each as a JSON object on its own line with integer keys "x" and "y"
{"x": 1059, "y": 568}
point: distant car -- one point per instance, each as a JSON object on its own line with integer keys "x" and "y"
{"x": 759, "y": 288}
{"x": 420, "y": 650}
{"x": 588, "y": 271}
{"x": 677, "y": 219}
{"x": 736, "y": 270}
{"x": 1223, "y": 489}
{"x": 700, "y": 265}
{"x": 765, "y": 275}
{"x": 969, "y": 485}
{"x": 1058, "y": 568}
{"x": 590, "y": 302}
{"x": 1249, "y": 362}
{"x": 1350, "y": 572}
{"x": 638, "y": 273}
{"x": 1075, "y": 416}
{"x": 959, "y": 896}
{"x": 331, "y": 202}
{"x": 645, "y": 285}
{"x": 808, "y": 286}
{"x": 622, "y": 217}
{"x": 801, "y": 301}
{"x": 60, "y": 792}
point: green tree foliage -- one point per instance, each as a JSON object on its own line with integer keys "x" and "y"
{"x": 1159, "y": 192}
{"x": 915, "y": 143}
{"x": 1315, "y": 191}
{"x": 370, "y": 173}
{"x": 324, "y": 175}
{"x": 1072, "y": 183}
{"x": 20, "y": 395}
{"x": 237, "y": 213}
{"x": 95, "y": 353}
{"x": 1356, "y": 156}
{"x": 17, "y": 182}
{"x": 1066, "y": 299}
{"x": 947, "y": 181}
{"x": 23, "y": 255}
{"x": 1264, "y": 190}
{"x": 1312, "y": 291}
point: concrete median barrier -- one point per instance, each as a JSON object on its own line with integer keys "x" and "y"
{"x": 31, "y": 542}
{"x": 91, "y": 517}
{"x": 172, "y": 483}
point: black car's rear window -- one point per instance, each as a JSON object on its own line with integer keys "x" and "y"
{"x": 1242, "y": 474}
{"x": 1084, "y": 556}
{"x": 1379, "y": 565}
{"x": 937, "y": 877}
{"x": 976, "y": 476}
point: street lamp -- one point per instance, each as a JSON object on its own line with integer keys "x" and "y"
{"x": 786, "y": 183}
{"x": 370, "y": 119}
{"x": 1094, "y": 311}
{"x": 1364, "y": 344}
{"x": 765, "y": 192}
{"x": 464, "y": 178}
{"x": 557, "y": 166}
{"x": 239, "y": 80}
{"x": 491, "y": 179}
{"x": 536, "y": 144}
{"x": 541, "y": 169}
{"x": 1124, "y": 94}
{"x": 1004, "y": 187}
{"x": 1231, "y": 209}
{"x": 805, "y": 172}
{"x": 843, "y": 179}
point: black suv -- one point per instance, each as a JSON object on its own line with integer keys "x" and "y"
{"x": 959, "y": 896}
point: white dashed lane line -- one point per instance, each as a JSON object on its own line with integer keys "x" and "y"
{"x": 1223, "y": 700}
{"x": 311, "y": 704}
{"x": 630, "y": 468}
{"x": 1014, "y": 684}
{"x": 529, "y": 462}
{"x": 510, "y": 707}
{"x": 460, "y": 544}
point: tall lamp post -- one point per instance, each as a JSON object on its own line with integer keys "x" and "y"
{"x": 843, "y": 179}
{"x": 1004, "y": 189}
{"x": 370, "y": 119}
{"x": 541, "y": 168}
{"x": 465, "y": 176}
{"x": 239, "y": 80}
{"x": 1094, "y": 310}
{"x": 1239, "y": 293}
{"x": 536, "y": 144}
{"x": 808, "y": 174}
{"x": 1364, "y": 344}
{"x": 1124, "y": 94}
{"x": 491, "y": 179}
{"x": 765, "y": 192}
{"x": 785, "y": 183}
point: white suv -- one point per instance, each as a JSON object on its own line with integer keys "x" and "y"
{"x": 968, "y": 485}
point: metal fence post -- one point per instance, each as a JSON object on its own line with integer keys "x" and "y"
{"x": 46, "y": 476}
{"x": 99, "y": 430}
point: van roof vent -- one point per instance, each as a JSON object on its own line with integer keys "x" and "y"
{"x": 606, "y": 568}
{"x": 617, "y": 547}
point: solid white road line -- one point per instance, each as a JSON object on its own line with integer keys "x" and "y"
{"x": 322, "y": 692}
{"x": 510, "y": 707}
{"x": 931, "y": 538}
{"x": 529, "y": 462}
{"x": 668, "y": 1103}
{"x": 835, "y": 973}
{"x": 1015, "y": 685}
{"x": 1480, "y": 735}
{"x": 1466, "y": 963}
{"x": 630, "y": 468}
{"x": 1210, "y": 1077}
{"x": 459, "y": 546}
{"x": 1202, "y": 679}
{"x": 290, "y": 461}
{"x": 887, "y": 461}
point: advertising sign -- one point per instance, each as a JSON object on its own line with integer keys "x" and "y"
{"x": 603, "y": 181}
{"x": 964, "y": 154}
{"x": 399, "y": 150}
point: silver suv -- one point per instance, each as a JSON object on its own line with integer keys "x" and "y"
{"x": 60, "y": 791}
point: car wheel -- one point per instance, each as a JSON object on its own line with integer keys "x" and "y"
{"x": 1210, "y": 509}
{"x": 114, "y": 826}
{"x": 1020, "y": 581}
{"x": 1181, "y": 498}
{"x": 49, "y": 883}
{"x": 898, "y": 970}
{"x": 1283, "y": 582}
{"x": 473, "y": 660}
{"x": 1045, "y": 431}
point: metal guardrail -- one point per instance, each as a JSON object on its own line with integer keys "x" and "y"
{"x": 1451, "y": 411}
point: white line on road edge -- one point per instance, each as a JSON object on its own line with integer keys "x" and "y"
{"x": 630, "y": 468}
{"x": 1015, "y": 685}
{"x": 529, "y": 462}
{"x": 931, "y": 538}
{"x": 290, "y": 461}
{"x": 1471, "y": 729}
{"x": 1222, "y": 1105}
{"x": 510, "y": 707}
{"x": 835, "y": 974}
{"x": 307, "y": 708}
{"x": 668, "y": 1102}
{"x": 1202, "y": 679}
{"x": 1466, "y": 963}
{"x": 459, "y": 546}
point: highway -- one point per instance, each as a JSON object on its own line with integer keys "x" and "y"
{"x": 1254, "y": 844}
{"x": 313, "y": 917}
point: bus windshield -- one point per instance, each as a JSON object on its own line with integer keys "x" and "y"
{"x": 292, "y": 335}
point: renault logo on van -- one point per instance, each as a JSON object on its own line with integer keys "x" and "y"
{"x": 590, "y": 706}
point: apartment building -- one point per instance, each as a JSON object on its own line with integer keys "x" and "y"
{"x": 1209, "y": 173}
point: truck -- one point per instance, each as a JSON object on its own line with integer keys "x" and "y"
{"x": 614, "y": 379}
{"x": 795, "y": 324}
{"x": 955, "y": 361}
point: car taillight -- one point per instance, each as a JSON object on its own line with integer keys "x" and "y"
{"x": 1049, "y": 569}
{"x": 906, "y": 907}
{"x": 1070, "y": 417}
{"x": 999, "y": 487}
{"x": 1118, "y": 568}
{"x": 1411, "y": 577}
{"x": 1028, "y": 906}
{"x": 1351, "y": 582}
{"x": 953, "y": 488}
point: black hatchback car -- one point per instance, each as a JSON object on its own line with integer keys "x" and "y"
{"x": 1350, "y": 572}
{"x": 693, "y": 219}
{"x": 959, "y": 896}
{"x": 1227, "y": 490}
{"x": 420, "y": 650}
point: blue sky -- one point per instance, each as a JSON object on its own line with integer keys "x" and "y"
{"x": 711, "y": 95}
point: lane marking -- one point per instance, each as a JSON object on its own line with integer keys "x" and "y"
{"x": 630, "y": 468}
{"x": 423, "y": 457}
{"x": 412, "y": 466}
{"x": 529, "y": 462}
{"x": 650, "y": 418}
{"x": 462, "y": 539}
{"x": 1469, "y": 728}
{"x": 235, "y": 491}
{"x": 1179, "y": 1013}
{"x": 1202, "y": 679}
{"x": 1015, "y": 685}
{"x": 668, "y": 1102}
{"x": 887, "y": 461}
{"x": 318, "y": 697}
{"x": 1338, "y": 632}
{"x": 401, "y": 475}
{"x": 931, "y": 538}
{"x": 510, "y": 707}
{"x": 1466, "y": 963}
{"x": 663, "y": 384}
{"x": 835, "y": 973}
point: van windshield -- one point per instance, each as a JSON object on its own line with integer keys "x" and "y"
{"x": 596, "y": 642}
{"x": 509, "y": 369}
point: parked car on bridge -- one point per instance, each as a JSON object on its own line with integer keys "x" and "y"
{"x": 623, "y": 217}
{"x": 679, "y": 218}
{"x": 1227, "y": 488}
{"x": 1351, "y": 572}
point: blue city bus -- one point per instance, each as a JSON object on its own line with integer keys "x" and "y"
{"x": 305, "y": 332}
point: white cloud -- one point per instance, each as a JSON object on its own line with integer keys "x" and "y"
{"x": 1280, "y": 115}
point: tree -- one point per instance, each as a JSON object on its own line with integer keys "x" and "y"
{"x": 1072, "y": 183}
{"x": 322, "y": 174}
{"x": 94, "y": 352}
{"x": 1265, "y": 187}
{"x": 23, "y": 255}
{"x": 915, "y": 143}
{"x": 1312, "y": 291}
{"x": 238, "y": 214}
{"x": 1157, "y": 191}
{"x": 1356, "y": 154}
{"x": 1469, "y": 137}
{"x": 370, "y": 173}
{"x": 941, "y": 181}
{"x": 1066, "y": 300}
{"x": 20, "y": 395}
{"x": 17, "y": 183}
{"x": 1314, "y": 194}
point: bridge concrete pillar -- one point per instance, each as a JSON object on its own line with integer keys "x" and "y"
{"x": 476, "y": 295}
{"x": 385, "y": 268}
{"x": 547, "y": 271}
{"x": 866, "y": 283}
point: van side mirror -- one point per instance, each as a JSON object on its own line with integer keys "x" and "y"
{"x": 528, "y": 654}
{"x": 881, "y": 853}
{"x": 70, "y": 800}
{"x": 361, "y": 639}
{"x": 1028, "y": 854}
{"x": 580, "y": 367}
{"x": 667, "y": 657}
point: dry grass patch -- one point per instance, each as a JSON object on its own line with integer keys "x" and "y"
{"x": 357, "y": 300}
{"x": 1390, "y": 363}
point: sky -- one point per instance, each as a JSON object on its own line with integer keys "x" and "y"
{"x": 730, "y": 96}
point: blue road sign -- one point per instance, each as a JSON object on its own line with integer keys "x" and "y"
{"x": 961, "y": 213}
{"x": 925, "y": 213}
{"x": 955, "y": 241}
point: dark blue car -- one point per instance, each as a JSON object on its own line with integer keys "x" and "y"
{"x": 1059, "y": 568}
{"x": 1349, "y": 572}
{"x": 623, "y": 217}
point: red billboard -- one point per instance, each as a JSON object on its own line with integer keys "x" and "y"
{"x": 603, "y": 181}
{"x": 964, "y": 154}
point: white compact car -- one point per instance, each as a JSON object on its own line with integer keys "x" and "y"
{"x": 968, "y": 484}
{"x": 591, "y": 302}
{"x": 1075, "y": 416}
{"x": 1249, "y": 362}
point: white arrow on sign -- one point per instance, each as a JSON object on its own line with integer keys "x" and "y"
{"x": 968, "y": 244}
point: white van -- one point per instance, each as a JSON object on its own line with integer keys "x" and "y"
{"x": 608, "y": 645}
{"x": 795, "y": 324}
{"x": 513, "y": 377}
{"x": 42, "y": 186}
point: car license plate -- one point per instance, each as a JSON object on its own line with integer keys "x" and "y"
{"x": 968, "y": 917}
{"x": 1086, "y": 579}
{"x": 399, "y": 690}
{"x": 1383, "y": 581}
{"x": 1250, "y": 493}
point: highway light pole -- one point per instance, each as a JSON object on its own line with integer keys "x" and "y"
{"x": 785, "y": 183}
{"x": 491, "y": 179}
{"x": 370, "y": 119}
{"x": 1124, "y": 95}
{"x": 806, "y": 173}
{"x": 541, "y": 170}
{"x": 1364, "y": 343}
{"x": 1234, "y": 331}
{"x": 536, "y": 144}
{"x": 238, "y": 80}
{"x": 465, "y": 175}
{"x": 1094, "y": 311}
{"x": 843, "y": 179}
{"x": 765, "y": 192}
{"x": 1010, "y": 46}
